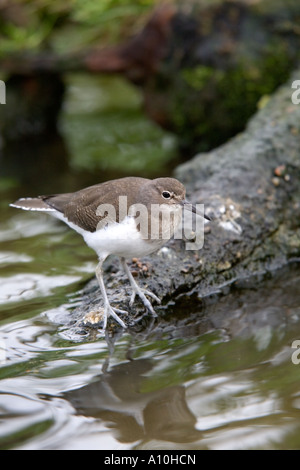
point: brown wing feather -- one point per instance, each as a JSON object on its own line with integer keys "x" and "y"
{"x": 81, "y": 207}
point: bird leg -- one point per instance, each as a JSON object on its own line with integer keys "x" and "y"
{"x": 136, "y": 290}
{"x": 108, "y": 310}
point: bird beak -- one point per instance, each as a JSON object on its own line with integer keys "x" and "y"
{"x": 189, "y": 206}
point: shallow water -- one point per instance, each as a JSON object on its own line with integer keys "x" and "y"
{"x": 215, "y": 375}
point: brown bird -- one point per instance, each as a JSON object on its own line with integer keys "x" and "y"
{"x": 127, "y": 217}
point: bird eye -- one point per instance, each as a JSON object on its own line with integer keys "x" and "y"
{"x": 166, "y": 194}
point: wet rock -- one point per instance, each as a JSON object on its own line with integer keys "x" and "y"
{"x": 256, "y": 224}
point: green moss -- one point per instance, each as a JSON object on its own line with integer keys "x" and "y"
{"x": 208, "y": 105}
{"x": 197, "y": 77}
{"x": 105, "y": 129}
{"x": 66, "y": 25}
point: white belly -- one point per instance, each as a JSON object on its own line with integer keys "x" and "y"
{"x": 121, "y": 240}
{"x": 116, "y": 239}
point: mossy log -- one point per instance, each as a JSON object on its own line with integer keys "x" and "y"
{"x": 251, "y": 187}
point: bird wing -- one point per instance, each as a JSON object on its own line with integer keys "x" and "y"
{"x": 82, "y": 207}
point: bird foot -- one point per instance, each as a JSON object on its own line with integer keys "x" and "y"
{"x": 142, "y": 295}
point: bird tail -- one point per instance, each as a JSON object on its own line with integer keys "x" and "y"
{"x": 32, "y": 204}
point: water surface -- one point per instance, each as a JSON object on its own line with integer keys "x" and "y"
{"x": 212, "y": 375}
{"x": 215, "y": 376}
